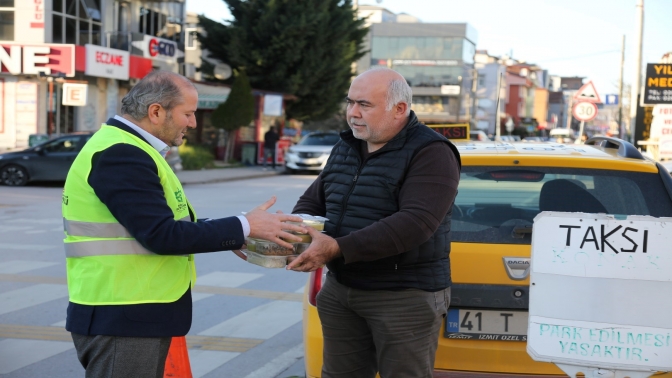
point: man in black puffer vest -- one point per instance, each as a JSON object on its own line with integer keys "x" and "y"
{"x": 387, "y": 191}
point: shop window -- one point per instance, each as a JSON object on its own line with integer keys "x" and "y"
{"x": 70, "y": 30}
{"x": 76, "y": 21}
{"x": 7, "y": 25}
{"x": 164, "y": 22}
{"x": 57, "y": 29}
{"x": 57, "y": 6}
{"x": 192, "y": 39}
{"x": 71, "y": 7}
{"x": 84, "y": 33}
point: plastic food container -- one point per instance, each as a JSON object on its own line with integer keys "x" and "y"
{"x": 267, "y": 248}
{"x": 314, "y": 221}
{"x": 305, "y": 238}
{"x": 265, "y": 260}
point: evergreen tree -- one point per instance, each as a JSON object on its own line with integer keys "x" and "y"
{"x": 301, "y": 47}
{"x": 236, "y": 111}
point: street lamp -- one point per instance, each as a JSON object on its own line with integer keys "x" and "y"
{"x": 59, "y": 77}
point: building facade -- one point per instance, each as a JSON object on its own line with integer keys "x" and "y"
{"x": 437, "y": 60}
{"x": 66, "y": 64}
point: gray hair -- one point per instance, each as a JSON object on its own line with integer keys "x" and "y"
{"x": 398, "y": 91}
{"x": 158, "y": 87}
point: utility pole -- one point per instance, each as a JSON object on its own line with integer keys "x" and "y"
{"x": 570, "y": 114}
{"x": 621, "y": 129}
{"x": 634, "y": 91}
{"x": 459, "y": 101}
{"x": 498, "y": 119}
{"x": 474, "y": 89}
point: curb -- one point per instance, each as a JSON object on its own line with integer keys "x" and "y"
{"x": 227, "y": 179}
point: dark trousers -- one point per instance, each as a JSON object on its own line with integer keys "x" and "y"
{"x": 394, "y": 333}
{"x": 121, "y": 357}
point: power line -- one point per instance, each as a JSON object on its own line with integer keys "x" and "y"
{"x": 581, "y": 56}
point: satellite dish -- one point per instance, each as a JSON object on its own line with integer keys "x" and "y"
{"x": 222, "y": 71}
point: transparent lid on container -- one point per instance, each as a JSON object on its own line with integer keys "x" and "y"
{"x": 314, "y": 221}
{"x": 268, "y": 248}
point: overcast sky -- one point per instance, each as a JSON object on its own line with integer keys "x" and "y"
{"x": 567, "y": 37}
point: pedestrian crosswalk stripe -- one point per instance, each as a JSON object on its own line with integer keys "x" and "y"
{"x": 31, "y": 296}
{"x": 278, "y": 364}
{"x": 195, "y": 297}
{"x": 234, "y": 291}
{"x": 261, "y": 322}
{"x": 197, "y": 342}
{"x": 227, "y": 279}
{"x": 16, "y": 354}
{"x": 27, "y": 247}
{"x": 6, "y": 228}
{"x": 58, "y": 220}
{"x": 204, "y": 361}
{"x": 275, "y": 295}
{"x": 20, "y": 266}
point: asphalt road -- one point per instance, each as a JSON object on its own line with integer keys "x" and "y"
{"x": 247, "y": 319}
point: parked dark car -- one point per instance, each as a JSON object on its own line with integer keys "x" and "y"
{"x": 49, "y": 161}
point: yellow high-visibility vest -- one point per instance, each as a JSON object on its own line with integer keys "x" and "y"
{"x": 105, "y": 264}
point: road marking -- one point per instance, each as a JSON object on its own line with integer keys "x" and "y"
{"x": 59, "y": 324}
{"x": 29, "y": 247}
{"x": 196, "y": 342}
{"x": 227, "y": 279}
{"x": 233, "y": 291}
{"x": 16, "y": 354}
{"x": 204, "y": 361}
{"x": 30, "y": 296}
{"x": 15, "y": 228}
{"x": 195, "y": 297}
{"x": 261, "y": 322}
{"x": 39, "y": 221}
{"x": 35, "y": 232}
{"x": 278, "y": 364}
{"x": 20, "y": 266}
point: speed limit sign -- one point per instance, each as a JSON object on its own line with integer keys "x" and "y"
{"x": 584, "y": 111}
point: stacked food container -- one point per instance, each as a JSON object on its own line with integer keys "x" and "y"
{"x": 272, "y": 255}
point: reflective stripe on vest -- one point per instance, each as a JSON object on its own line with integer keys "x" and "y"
{"x": 99, "y": 230}
{"x": 103, "y": 247}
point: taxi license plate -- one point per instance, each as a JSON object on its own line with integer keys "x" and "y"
{"x": 486, "y": 325}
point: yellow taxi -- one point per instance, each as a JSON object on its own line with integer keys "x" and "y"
{"x": 503, "y": 186}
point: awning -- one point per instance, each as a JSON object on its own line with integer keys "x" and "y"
{"x": 210, "y": 96}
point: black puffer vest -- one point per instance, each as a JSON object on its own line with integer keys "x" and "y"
{"x": 359, "y": 193}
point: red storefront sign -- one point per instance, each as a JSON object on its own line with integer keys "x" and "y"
{"x": 31, "y": 59}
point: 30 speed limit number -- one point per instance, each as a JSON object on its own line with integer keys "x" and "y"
{"x": 584, "y": 111}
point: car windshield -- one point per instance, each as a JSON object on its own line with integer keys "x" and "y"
{"x": 319, "y": 140}
{"x": 498, "y": 204}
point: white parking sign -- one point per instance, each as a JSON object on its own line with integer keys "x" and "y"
{"x": 600, "y": 292}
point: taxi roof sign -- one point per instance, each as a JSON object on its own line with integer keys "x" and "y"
{"x": 588, "y": 93}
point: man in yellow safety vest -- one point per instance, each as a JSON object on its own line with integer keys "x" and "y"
{"x": 131, "y": 234}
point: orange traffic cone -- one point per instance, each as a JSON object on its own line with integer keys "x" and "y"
{"x": 177, "y": 363}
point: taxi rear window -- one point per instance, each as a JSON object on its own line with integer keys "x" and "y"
{"x": 498, "y": 204}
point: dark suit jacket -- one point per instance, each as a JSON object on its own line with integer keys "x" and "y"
{"x": 126, "y": 180}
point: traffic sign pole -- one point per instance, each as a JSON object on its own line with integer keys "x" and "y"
{"x": 578, "y": 140}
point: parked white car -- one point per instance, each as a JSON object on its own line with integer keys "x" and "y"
{"x": 311, "y": 153}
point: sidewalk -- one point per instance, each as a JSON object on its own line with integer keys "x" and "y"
{"x": 222, "y": 174}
